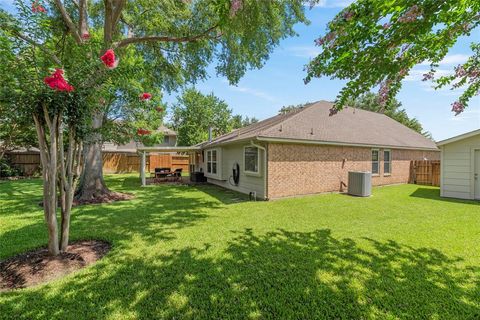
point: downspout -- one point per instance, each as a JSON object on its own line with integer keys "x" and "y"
{"x": 264, "y": 166}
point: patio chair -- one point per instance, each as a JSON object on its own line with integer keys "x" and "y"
{"x": 177, "y": 174}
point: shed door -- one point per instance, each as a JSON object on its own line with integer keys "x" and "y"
{"x": 477, "y": 174}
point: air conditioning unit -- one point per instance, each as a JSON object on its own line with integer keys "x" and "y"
{"x": 360, "y": 183}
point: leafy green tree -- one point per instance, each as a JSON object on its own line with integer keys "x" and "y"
{"x": 195, "y": 113}
{"x": 238, "y": 121}
{"x": 393, "y": 109}
{"x": 292, "y": 107}
{"x": 15, "y": 130}
{"x": 377, "y": 43}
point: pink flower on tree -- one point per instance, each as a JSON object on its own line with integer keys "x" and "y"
{"x": 143, "y": 132}
{"x": 38, "y": 8}
{"x": 235, "y": 6}
{"x": 145, "y": 96}
{"x": 57, "y": 82}
{"x": 348, "y": 15}
{"x": 86, "y": 36}
{"x": 411, "y": 15}
{"x": 109, "y": 59}
{"x": 384, "y": 92}
{"x": 457, "y": 107}
{"x": 428, "y": 76}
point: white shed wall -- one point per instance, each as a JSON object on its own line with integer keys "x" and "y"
{"x": 457, "y": 180}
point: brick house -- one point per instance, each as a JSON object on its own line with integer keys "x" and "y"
{"x": 308, "y": 151}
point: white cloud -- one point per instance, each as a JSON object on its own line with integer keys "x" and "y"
{"x": 467, "y": 114}
{"x": 333, "y": 3}
{"x": 417, "y": 74}
{"x": 451, "y": 59}
{"x": 304, "y": 51}
{"x": 254, "y": 92}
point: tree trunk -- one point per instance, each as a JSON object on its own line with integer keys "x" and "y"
{"x": 92, "y": 185}
{"x": 48, "y": 158}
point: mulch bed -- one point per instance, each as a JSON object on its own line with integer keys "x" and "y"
{"x": 36, "y": 267}
{"x": 108, "y": 198}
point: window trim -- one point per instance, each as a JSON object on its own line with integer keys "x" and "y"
{"x": 217, "y": 161}
{"x": 387, "y": 174}
{"x": 248, "y": 172}
{"x": 378, "y": 162}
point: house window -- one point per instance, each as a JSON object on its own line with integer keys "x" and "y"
{"x": 375, "y": 162}
{"x": 212, "y": 161}
{"x": 166, "y": 139}
{"x": 387, "y": 162}
{"x": 251, "y": 159}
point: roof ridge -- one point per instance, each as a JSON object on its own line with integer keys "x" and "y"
{"x": 288, "y": 116}
{"x": 257, "y": 125}
{"x": 295, "y": 113}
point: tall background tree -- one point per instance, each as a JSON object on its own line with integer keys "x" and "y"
{"x": 393, "y": 109}
{"x": 376, "y": 43}
{"x": 238, "y": 121}
{"x": 195, "y": 113}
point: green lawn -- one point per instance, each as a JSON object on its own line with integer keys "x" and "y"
{"x": 206, "y": 253}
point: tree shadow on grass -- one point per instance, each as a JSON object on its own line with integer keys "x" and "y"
{"x": 153, "y": 215}
{"x": 434, "y": 194}
{"x": 278, "y": 275}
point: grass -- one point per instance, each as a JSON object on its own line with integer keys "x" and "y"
{"x": 205, "y": 253}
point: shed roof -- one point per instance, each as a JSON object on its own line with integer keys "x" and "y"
{"x": 459, "y": 137}
{"x": 313, "y": 124}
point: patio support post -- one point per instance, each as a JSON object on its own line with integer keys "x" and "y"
{"x": 142, "y": 169}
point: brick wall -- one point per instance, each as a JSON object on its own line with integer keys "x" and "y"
{"x": 295, "y": 169}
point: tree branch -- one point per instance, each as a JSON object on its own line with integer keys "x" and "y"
{"x": 38, "y": 45}
{"x": 117, "y": 12}
{"x": 201, "y": 36}
{"x": 107, "y": 26}
{"x": 83, "y": 17}
{"x": 69, "y": 22}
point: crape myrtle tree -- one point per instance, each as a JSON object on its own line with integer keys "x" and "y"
{"x": 176, "y": 41}
{"x": 376, "y": 43}
{"x": 47, "y": 76}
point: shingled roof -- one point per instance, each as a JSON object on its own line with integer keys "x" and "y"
{"x": 313, "y": 124}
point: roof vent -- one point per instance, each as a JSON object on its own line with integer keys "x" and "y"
{"x": 281, "y": 128}
{"x": 311, "y": 131}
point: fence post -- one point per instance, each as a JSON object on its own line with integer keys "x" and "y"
{"x": 142, "y": 169}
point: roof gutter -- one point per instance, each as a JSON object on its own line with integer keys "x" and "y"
{"x": 264, "y": 166}
{"x": 332, "y": 143}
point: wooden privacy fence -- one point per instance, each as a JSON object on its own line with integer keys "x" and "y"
{"x": 426, "y": 172}
{"x": 121, "y": 162}
{"x": 27, "y": 162}
{"x": 172, "y": 161}
{"x": 113, "y": 162}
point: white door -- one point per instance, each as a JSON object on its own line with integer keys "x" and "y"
{"x": 477, "y": 174}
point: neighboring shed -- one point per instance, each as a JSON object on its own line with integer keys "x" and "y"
{"x": 460, "y": 166}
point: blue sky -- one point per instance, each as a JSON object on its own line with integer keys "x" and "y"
{"x": 261, "y": 93}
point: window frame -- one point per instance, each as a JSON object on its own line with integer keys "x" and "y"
{"x": 375, "y": 174}
{"x": 211, "y": 162}
{"x": 248, "y": 172}
{"x": 389, "y": 162}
